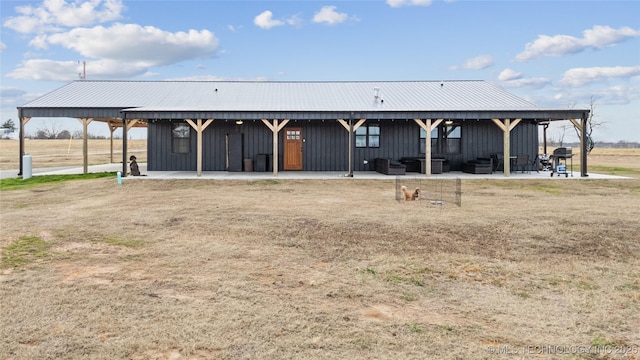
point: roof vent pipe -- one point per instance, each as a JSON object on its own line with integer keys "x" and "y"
{"x": 376, "y": 92}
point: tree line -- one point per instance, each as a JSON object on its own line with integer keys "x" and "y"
{"x": 52, "y": 132}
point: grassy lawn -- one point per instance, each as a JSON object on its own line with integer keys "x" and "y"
{"x": 330, "y": 269}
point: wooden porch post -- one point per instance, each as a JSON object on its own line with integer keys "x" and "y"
{"x": 506, "y": 128}
{"x": 199, "y": 127}
{"x": 23, "y": 122}
{"x": 585, "y": 144}
{"x": 351, "y": 129}
{"x": 582, "y": 130}
{"x": 275, "y": 128}
{"x": 506, "y": 149}
{"x": 85, "y": 143}
{"x": 112, "y": 129}
{"x": 124, "y": 144}
{"x": 428, "y": 127}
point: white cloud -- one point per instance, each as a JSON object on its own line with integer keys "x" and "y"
{"x": 512, "y": 79}
{"x": 144, "y": 46}
{"x": 43, "y": 69}
{"x": 535, "y": 83}
{"x": 266, "y": 21}
{"x": 39, "y": 42}
{"x": 122, "y": 50}
{"x": 55, "y": 15}
{"x": 478, "y": 62}
{"x": 51, "y": 70}
{"x": 7, "y": 91}
{"x": 11, "y": 97}
{"x": 559, "y": 45}
{"x": 329, "y": 15}
{"x": 295, "y": 20}
{"x": 614, "y": 95}
{"x": 399, "y": 3}
{"x": 508, "y": 74}
{"x": 581, "y": 76}
{"x": 3, "y": 47}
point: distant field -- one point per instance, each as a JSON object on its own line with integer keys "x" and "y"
{"x": 52, "y": 153}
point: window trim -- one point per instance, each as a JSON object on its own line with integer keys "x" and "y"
{"x": 366, "y": 138}
{"x": 440, "y": 137}
{"x": 180, "y": 145}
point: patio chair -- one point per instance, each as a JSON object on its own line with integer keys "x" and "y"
{"x": 522, "y": 162}
{"x": 498, "y": 162}
{"x": 535, "y": 163}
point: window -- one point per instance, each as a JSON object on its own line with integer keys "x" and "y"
{"x": 445, "y": 139}
{"x": 180, "y": 138}
{"x": 293, "y": 134}
{"x": 368, "y": 136}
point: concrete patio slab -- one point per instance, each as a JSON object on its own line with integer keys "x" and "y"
{"x": 301, "y": 175}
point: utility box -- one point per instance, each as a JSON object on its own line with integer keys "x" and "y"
{"x": 26, "y": 166}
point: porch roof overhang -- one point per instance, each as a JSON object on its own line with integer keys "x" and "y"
{"x": 109, "y": 114}
{"x": 538, "y": 115}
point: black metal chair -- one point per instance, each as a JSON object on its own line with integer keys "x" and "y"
{"x": 522, "y": 162}
{"x": 534, "y": 164}
{"x": 498, "y": 162}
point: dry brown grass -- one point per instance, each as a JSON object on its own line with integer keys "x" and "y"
{"x": 333, "y": 269}
{"x": 53, "y": 153}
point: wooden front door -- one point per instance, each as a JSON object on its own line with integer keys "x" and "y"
{"x": 292, "y": 149}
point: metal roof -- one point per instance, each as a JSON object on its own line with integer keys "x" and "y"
{"x": 283, "y": 96}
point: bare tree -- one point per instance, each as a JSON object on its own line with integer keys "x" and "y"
{"x": 49, "y": 131}
{"x": 591, "y": 124}
{"x": 562, "y": 131}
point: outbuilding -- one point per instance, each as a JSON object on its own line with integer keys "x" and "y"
{"x": 307, "y": 126}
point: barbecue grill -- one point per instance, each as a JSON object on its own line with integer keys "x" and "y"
{"x": 559, "y": 161}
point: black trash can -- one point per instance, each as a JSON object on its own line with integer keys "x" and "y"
{"x": 261, "y": 163}
{"x": 269, "y": 162}
{"x": 248, "y": 165}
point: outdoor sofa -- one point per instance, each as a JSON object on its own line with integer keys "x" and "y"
{"x": 478, "y": 166}
{"x": 390, "y": 167}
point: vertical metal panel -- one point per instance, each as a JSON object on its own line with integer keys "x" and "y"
{"x": 524, "y": 139}
{"x": 326, "y": 142}
{"x": 214, "y": 145}
{"x": 483, "y": 138}
{"x": 325, "y": 145}
{"x": 161, "y": 157}
{"x": 398, "y": 138}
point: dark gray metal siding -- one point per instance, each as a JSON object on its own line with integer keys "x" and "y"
{"x": 257, "y": 139}
{"x": 159, "y": 153}
{"x": 483, "y": 138}
{"x": 325, "y": 146}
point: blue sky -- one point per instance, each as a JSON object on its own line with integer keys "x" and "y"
{"x": 552, "y": 53}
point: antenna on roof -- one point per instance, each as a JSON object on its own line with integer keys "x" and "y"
{"x": 83, "y": 74}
